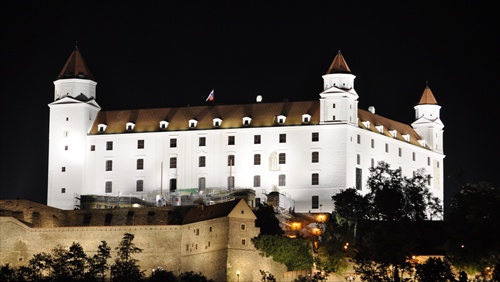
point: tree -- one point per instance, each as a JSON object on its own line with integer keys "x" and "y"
{"x": 383, "y": 216}
{"x": 160, "y": 275}
{"x": 125, "y": 267}
{"x": 473, "y": 227}
{"x": 434, "y": 269}
{"x": 98, "y": 263}
{"x": 76, "y": 261}
{"x": 9, "y": 274}
{"x": 295, "y": 253}
{"x": 38, "y": 268}
{"x": 267, "y": 220}
{"x": 191, "y": 276}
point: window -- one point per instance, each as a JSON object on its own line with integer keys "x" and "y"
{"x": 282, "y": 158}
{"x": 256, "y": 159}
{"x": 202, "y": 141}
{"x": 372, "y": 163}
{"x": 400, "y": 152}
{"x": 173, "y": 162}
{"x": 256, "y": 139}
{"x": 358, "y": 159}
{"x": 140, "y": 144}
{"x": 230, "y": 182}
{"x": 281, "y": 180}
{"x": 243, "y": 242}
{"x": 163, "y": 124}
{"x": 63, "y": 190}
{"x": 315, "y": 136}
{"x": 315, "y": 202}
{"x": 386, "y": 148}
{"x": 173, "y": 184}
{"x": 201, "y": 183}
{"x": 63, "y": 169}
{"x": 230, "y": 140}
{"x": 66, "y": 148}
{"x": 243, "y": 227}
{"x": 173, "y": 142}
{"x": 373, "y": 143}
{"x": 140, "y": 164}
{"x": 201, "y": 161}
{"x": 92, "y": 148}
{"x": 315, "y": 179}
{"x": 108, "y": 187}
{"x": 413, "y": 156}
{"x": 282, "y": 138}
{"x": 358, "y": 178}
{"x": 230, "y": 160}
{"x": 109, "y": 165}
{"x": 428, "y": 161}
{"x": 109, "y": 145}
{"x": 139, "y": 185}
{"x": 256, "y": 181}
{"x": 359, "y": 139}
{"x": 315, "y": 157}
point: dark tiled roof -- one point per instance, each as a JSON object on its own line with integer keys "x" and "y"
{"x": 202, "y": 212}
{"x": 75, "y": 67}
{"x": 339, "y": 65}
{"x": 427, "y": 97}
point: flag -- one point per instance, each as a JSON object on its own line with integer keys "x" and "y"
{"x": 210, "y": 96}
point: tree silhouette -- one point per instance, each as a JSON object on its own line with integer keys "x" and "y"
{"x": 125, "y": 267}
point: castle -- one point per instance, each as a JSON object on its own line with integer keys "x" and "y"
{"x": 306, "y": 151}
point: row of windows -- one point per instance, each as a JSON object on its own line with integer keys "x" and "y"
{"x": 202, "y": 141}
{"x": 202, "y": 161}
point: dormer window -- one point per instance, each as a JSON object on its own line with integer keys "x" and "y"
{"x": 247, "y": 121}
{"x": 281, "y": 119}
{"x": 406, "y": 137}
{"x": 306, "y": 118}
{"x": 130, "y": 126}
{"x": 422, "y": 142}
{"x": 193, "y": 123}
{"x": 101, "y": 127}
{"x": 366, "y": 124}
{"x": 217, "y": 122}
{"x": 380, "y": 128}
{"x": 163, "y": 124}
{"x": 393, "y": 133}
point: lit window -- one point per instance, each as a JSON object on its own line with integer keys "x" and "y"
{"x": 256, "y": 181}
{"x": 139, "y": 185}
{"x": 315, "y": 179}
{"x": 109, "y": 165}
{"x": 256, "y": 139}
{"x": 282, "y": 138}
{"x": 315, "y": 136}
{"x": 281, "y": 180}
{"x": 282, "y": 158}
{"x": 173, "y": 162}
{"x": 202, "y": 141}
{"x": 108, "y": 187}
{"x": 140, "y": 164}
{"x": 230, "y": 160}
{"x": 256, "y": 159}
{"x": 140, "y": 144}
{"x": 315, "y": 157}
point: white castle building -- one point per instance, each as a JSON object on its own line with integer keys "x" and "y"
{"x": 307, "y": 150}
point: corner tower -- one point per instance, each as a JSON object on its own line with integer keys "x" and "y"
{"x": 71, "y": 116}
{"x": 339, "y": 100}
{"x": 427, "y": 121}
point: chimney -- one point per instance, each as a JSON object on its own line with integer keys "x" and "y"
{"x": 371, "y": 109}
{"x": 258, "y": 99}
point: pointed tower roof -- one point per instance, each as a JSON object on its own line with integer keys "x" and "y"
{"x": 427, "y": 97}
{"x": 75, "y": 67}
{"x": 339, "y": 65}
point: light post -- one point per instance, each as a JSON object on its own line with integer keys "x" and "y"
{"x": 238, "y": 274}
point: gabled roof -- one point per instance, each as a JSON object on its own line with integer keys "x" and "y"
{"x": 338, "y": 65}
{"x": 203, "y": 212}
{"x": 427, "y": 97}
{"x": 75, "y": 67}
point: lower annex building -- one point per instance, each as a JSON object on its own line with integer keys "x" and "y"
{"x": 306, "y": 151}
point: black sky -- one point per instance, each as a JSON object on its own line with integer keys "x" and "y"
{"x": 147, "y": 54}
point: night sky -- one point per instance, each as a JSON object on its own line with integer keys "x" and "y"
{"x": 149, "y": 54}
